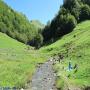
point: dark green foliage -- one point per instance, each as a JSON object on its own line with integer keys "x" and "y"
{"x": 37, "y": 41}
{"x": 86, "y": 1}
{"x": 85, "y": 12}
{"x": 47, "y": 32}
{"x": 16, "y": 25}
{"x": 69, "y": 4}
{"x": 62, "y": 24}
{"x": 70, "y": 13}
{"x": 67, "y": 23}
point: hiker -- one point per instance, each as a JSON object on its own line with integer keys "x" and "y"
{"x": 69, "y": 66}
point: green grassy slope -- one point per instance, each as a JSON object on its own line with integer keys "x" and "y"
{"x": 74, "y": 47}
{"x": 17, "y": 62}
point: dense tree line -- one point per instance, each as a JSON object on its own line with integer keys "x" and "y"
{"x": 17, "y": 26}
{"x": 70, "y": 13}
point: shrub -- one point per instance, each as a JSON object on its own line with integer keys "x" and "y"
{"x": 66, "y": 24}
{"x": 85, "y": 13}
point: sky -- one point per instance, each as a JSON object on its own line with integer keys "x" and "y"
{"x": 42, "y": 10}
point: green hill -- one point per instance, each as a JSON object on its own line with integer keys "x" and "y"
{"x": 17, "y": 62}
{"x": 75, "y": 48}
{"x": 16, "y": 25}
{"x": 37, "y": 24}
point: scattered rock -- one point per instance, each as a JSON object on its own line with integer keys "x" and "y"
{"x": 44, "y": 77}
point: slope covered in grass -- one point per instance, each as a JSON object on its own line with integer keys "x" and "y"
{"x": 17, "y": 62}
{"x": 75, "y": 48}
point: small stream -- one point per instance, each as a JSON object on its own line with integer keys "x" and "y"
{"x": 44, "y": 77}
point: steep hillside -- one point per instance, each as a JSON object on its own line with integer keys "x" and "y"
{"x": 71, "y": 13}
{"x": 17, "y": 62}
{"x": 75, "y": 48}
{"x": 16, "y": 25}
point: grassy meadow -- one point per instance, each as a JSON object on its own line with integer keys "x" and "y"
{"x": 17, "y": 62}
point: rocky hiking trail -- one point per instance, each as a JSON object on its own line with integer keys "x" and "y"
{"x": 44, "y": 77}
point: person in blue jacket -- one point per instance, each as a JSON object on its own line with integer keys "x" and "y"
{"x": 70, "y": 66}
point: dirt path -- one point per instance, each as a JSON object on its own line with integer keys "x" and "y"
{"x": 44, "y": 77}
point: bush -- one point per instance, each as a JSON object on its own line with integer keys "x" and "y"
{"x": 37, "y": 41}
{"x": 85, "y": 13}
{"x": 86, "y": 1}
{"x": 70, "y": 22}
{"x": 66, "y": 24}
